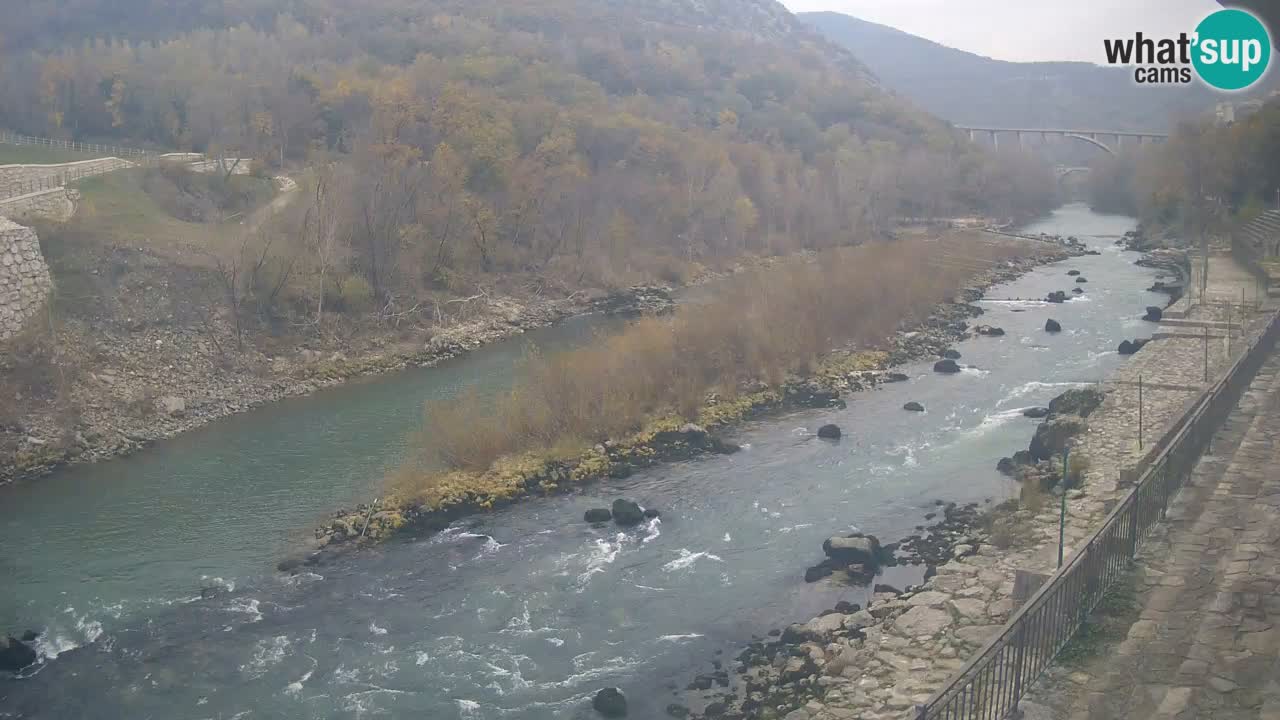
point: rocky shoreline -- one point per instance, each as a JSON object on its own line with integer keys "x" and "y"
{"x": 841, "y": 372}
{"x": 797, "y": 672}
{"x": 880, "y": 661}
{"x": 126, "y": 408}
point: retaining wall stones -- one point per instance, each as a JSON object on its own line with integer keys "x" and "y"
{"x": 24, "y": 179}
{"x": 57, "y": 204}
{"x": 25, "y": 283}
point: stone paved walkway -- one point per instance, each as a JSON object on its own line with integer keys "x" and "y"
{"x": 1207, "y": 640}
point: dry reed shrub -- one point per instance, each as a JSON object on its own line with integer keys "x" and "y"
{"x": 763, "y": 325}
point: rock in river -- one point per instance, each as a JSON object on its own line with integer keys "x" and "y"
{"x": 610, "y": 702}
{"x": 626, "y": 512}
{"x": 1036, "y": 412}
{"x": 15, "y": 655}
{"x": 1154, "y": 314}
{"x": 913, "y": 407}
{"x": 989, "y": 331}
{"x": 817, "y": 572}
{"x": 597, "y": 515}
{"x": 951, "y": 354}
{"x": 1052, "y": 326}
{"x": 1057, "y": 296}
{"x": 1082, "y": 279}
{"x": 1052, "y": 435}
{"x": 829, "y": 432}
{"x": 1078, "y": 291}
{"x": 1073, "y": 272}
{"x": 946, "y": 366}
{"x": 1129, "y": 347}
{"x": 1077, "y": 401}
{"x": 863, "y": 550}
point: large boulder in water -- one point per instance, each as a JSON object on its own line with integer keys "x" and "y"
{"x": 1076, "y": 401}
{"x": 1036, "y": 413}
{"x": 817, "y": 572}
{"x": 1073, "y": 272}
{"x": 627, "y": 513}
{"x": 1077, "y": 291}
{"x": 1082, "y": 279}
{"x": 1129, "y": 347}
{"x": 1057, "y": 296}
{"x": 946, "y": 366}
{"x": 1007, "y": 466}
{"x": 829, "y": 432}
{"x": 1052, "y": 326}
{"x": 913, "y": 407}
{"x": 989, "y": 331}
{"x": 1154, "y": 314}
{"x": 951, "y": 354}
{"x": 15, "y": 655}
{"x": 858, "y": 549}
{"x": 610, "y": 702}
{"x": 1052, "y": 436}
{"x": 597, "y": 515}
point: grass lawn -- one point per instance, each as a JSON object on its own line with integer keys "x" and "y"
{"x": 121, "y": 212}
{"x": 39, "y": 155}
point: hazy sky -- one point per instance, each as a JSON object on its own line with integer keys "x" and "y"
{"x": 1024, "y": 29}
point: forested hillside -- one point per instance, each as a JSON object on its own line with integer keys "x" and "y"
{"x": 1231, "y": 168}
{"x": 965, "y": 88}
{"x": 584, "y": 139}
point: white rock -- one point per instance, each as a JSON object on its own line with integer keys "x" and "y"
{"x": 172, "y": 405}
{"x": 923, "y": 621}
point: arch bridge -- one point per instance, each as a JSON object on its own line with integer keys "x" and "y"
{"x": 1088, "y": 136}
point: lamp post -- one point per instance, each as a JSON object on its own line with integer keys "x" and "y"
{"x": 1062, "y": 509}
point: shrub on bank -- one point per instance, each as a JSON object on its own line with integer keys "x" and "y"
{"x": 765, "y": 324}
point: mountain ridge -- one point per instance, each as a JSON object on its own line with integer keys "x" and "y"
{"x": 970, "y": 89}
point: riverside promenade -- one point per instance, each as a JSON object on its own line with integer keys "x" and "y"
{"x": 913, "y": 643}
{"x": 1203, "y": 639}
{"x": 1206, "y": 639}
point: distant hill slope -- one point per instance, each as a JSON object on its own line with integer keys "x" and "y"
{"x": 971, "y": 89}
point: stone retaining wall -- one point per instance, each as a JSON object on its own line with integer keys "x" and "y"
{"x": 57, "y": 204}
{"x": 25, "y": 283}
{"x": 24, "y": 179}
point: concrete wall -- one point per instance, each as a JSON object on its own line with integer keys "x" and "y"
{"x": 215, "y": 166}
{"x": 25, "y": 283}
{"x": 57, "y": 204}
{"x": 25, "y": 179}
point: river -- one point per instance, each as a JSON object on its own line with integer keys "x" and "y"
{"x": 527, "y": 611}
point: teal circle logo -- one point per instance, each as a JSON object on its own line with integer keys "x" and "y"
{"x": 1232, "y": 49}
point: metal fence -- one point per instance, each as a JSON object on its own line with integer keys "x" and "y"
{"x": 52, "y": 181}
{"x": 9, "y": 138}
{"x": 990, "y": 685}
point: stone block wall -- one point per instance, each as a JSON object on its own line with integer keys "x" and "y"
{"x": 57, "y": 204}
{"x": 24, "y": 179}
{"x": 25, "y": 283}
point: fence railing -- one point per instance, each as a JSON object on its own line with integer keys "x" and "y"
{"x": 990, "y": 684}
{"x": 8, "y": 138}
{"x": 52, "y": 181}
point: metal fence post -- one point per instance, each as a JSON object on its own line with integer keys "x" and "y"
{"x": 1139, "y": 413}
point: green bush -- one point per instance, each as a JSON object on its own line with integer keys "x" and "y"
{"x": 355, "y": 294}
